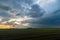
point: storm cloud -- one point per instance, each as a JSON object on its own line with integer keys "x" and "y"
{"x": 52, "y": 21}
{"x": 44, "y": 14}
{"x": 36, "y": 11}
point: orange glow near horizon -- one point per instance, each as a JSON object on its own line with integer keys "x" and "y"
{"x": 6, "y": 26}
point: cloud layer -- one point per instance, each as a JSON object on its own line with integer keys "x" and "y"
{"x": 38, "y": 13}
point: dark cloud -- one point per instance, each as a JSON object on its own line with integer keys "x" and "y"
{"x": 5, "y": 15}
{"x": 52, "y": 21}
{"x": 23, "y": 6}
{"x": 27, "y": 1}
{"x": 36, "y": 11}
{"x": 15, "y": 7}
{"x": 3, "y": 7}
{"x": 4, "y": 11}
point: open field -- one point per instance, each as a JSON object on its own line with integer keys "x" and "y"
{"x": 30, "y": 34}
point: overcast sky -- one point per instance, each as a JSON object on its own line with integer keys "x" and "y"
{"x": 43, "y": 13}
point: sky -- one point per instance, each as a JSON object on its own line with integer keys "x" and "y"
{"x": 30, "y": 13}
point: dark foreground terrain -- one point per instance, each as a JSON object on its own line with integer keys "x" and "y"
{"x": 30, "y": 34}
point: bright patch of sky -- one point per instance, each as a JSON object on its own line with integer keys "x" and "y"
{"x": 48, "y": 5}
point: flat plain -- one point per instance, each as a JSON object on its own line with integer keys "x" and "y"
{"x": 30, "y": 34}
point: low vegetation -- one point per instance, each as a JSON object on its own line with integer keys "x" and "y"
{"x": 30, "y": 34}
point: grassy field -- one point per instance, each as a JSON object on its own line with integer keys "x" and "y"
{"x": 30, "y": 34}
